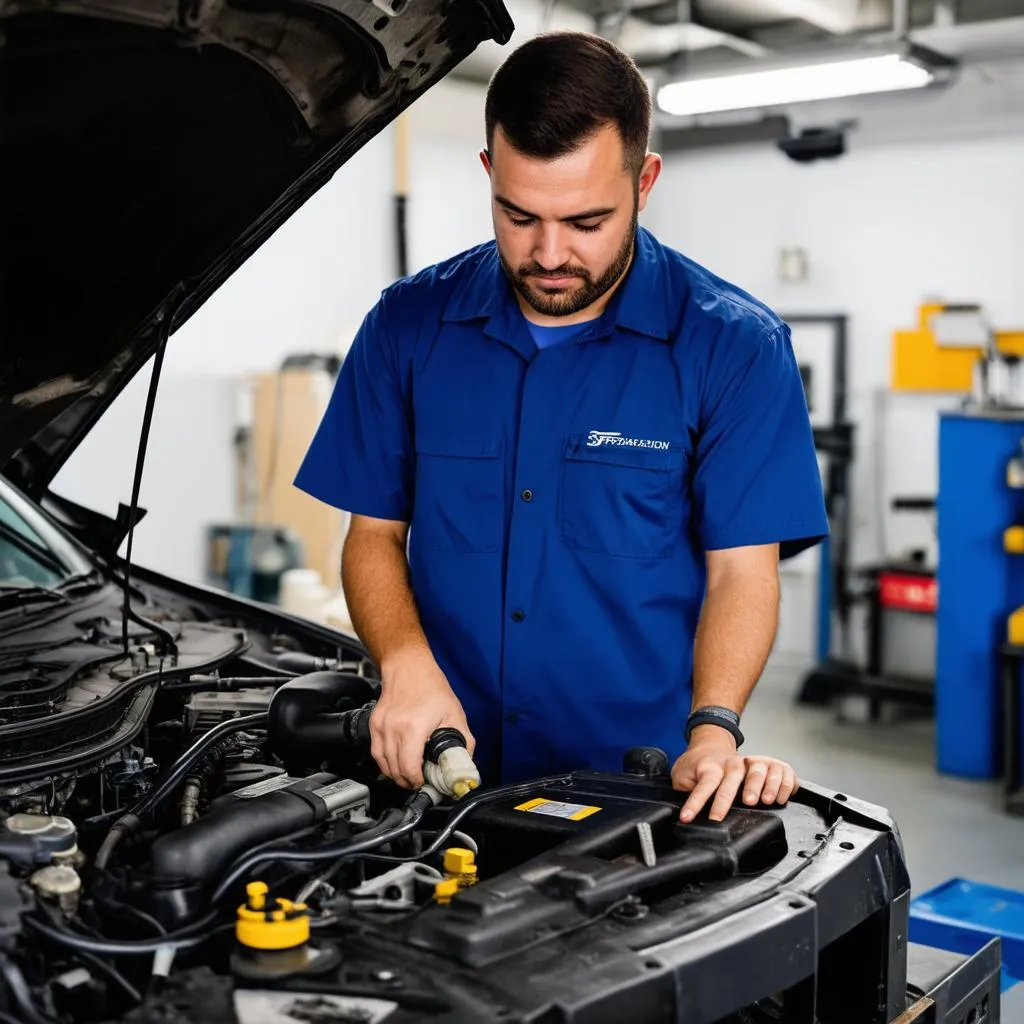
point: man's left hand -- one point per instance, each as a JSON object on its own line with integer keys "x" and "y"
{"x": 712, "y": 766}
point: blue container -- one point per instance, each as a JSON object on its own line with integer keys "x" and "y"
{"x": 979, "y": 586}
{"x": 962, "y": 916}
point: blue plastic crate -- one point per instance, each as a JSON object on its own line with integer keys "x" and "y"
{"x": 961, "y": 916}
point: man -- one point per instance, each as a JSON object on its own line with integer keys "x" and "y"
{"x": 602, "y": 450}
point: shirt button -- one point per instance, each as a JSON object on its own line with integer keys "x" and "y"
{"x": 518, "y": 615}
{"x": 527, "y": 495}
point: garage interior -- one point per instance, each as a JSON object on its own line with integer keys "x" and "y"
{"x": 885, "y": 227}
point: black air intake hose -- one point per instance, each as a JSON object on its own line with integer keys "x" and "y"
{"x": 320, "y": 715}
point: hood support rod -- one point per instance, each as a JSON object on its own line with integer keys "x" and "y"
{"x": 164, "y": 320}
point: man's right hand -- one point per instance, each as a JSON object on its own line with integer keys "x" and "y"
{"x": 415, "y": 699}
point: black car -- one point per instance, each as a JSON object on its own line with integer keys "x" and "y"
{"x": 191, "y": 828}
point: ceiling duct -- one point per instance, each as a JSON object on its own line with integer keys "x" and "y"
{"x": 648, "y": 43}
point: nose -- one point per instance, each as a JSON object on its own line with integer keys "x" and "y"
{"x": 552, "y": 250}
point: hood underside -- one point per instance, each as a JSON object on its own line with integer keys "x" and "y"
{"x": 150, "y": 146}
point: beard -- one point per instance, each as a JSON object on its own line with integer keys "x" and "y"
{"x": 567, "y": 301}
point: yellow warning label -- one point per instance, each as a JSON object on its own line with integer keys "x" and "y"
{"x": 558, "y": 809}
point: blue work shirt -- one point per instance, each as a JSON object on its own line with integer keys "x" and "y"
{"x": 562, "y": 499}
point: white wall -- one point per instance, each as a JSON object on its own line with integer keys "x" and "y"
{"x": 886, "y": 227}
{"x": 449, "y": 200}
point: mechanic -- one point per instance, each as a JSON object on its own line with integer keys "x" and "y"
{"x": 602, "y": 450}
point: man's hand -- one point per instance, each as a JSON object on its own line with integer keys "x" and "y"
{"x": 711, "y": 766}
{"x": 415, "y": 699}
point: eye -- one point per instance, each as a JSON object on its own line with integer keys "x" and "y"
{"x": 520, "y": 222}
{"x": 589, "y": 227}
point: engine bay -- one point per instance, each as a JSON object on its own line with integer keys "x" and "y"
{"x": 193, "y": 829}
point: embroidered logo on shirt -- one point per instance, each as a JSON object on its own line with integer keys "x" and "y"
{"x": 597, "y": 438}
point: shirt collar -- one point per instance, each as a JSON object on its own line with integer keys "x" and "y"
{"x": 641, "y": 304}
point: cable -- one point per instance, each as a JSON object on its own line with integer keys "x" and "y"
{"x": 481, "y": 798}
{"x": 112, "y": 974}
{"x": 116, "y": 907}
{"x": 114, "y": 947}
{"x": 21, "y": 992}
{"x": 132, "y": 820}
{"x": 373, "y": 838}
{"x": 468, "y": 842}
{"x": 467, "y": 806}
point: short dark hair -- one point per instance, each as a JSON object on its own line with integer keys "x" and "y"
{"x": 559, "y": 89}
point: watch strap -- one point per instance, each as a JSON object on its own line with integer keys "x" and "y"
{"x": 711, "y": 714}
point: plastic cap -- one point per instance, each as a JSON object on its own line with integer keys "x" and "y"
{"x": 283, "y": 925}
{"x": 458, "y": 861}
{"x": 256, "y": 895}
{"x": 445, "y": 890}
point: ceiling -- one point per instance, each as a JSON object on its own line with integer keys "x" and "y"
{"x": 671, "y": 36}
{"x": 672, "y": 39}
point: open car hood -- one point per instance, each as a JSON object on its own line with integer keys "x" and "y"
{"x": 150, "y": 146}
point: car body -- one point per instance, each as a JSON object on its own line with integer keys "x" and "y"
{"x": 166, "y": 749}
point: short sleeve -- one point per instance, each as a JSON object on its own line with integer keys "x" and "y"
{"x": 756, "y": 478}
{"x": 359, "y": 458}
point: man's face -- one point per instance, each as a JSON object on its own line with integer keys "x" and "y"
{"x": 565, "y": 227}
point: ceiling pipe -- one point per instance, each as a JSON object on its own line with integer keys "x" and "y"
{"x": 648, "y": 43}
{"x": 901, "y": 19}
{"x": 838, "y": 17}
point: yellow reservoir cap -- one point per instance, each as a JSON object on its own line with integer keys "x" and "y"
{"x": 282, "y": 925}
{"x": 445, "y": 890}
{"x": 1013, "y": 540}
{"x": 458, "y": 861}
{"x": 1015, "y": 628}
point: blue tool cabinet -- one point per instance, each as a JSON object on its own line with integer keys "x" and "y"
{"x": 980, "y": 584}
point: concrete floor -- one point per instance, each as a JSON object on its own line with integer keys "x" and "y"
{"x": 950, "y": 827}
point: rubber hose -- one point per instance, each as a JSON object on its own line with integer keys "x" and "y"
{"x": 132, "y": 820}
{"x": 409, "y": 819}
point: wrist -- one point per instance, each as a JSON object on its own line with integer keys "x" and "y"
{"x": 712, "y": 735}
{"x": 412, "y": 657}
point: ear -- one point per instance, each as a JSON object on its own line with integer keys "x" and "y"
{"x": 648, "y": 176}
{"x": 485, "y": 159}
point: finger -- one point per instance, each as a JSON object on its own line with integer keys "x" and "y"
{"x": 757, "y": 774}
{"x": 730, "y": 787}
{"x": 378, "y": 747}
{"x": 773, "y": 783}
{"x": 790, "y": 784}
{"x": 391, "y": 750}
{"x": 707, "y": 782}
{"x": 410, "y": 757}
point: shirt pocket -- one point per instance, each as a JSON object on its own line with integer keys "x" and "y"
{"x": 622, "y": 501}
{"x": 460, "y": 494}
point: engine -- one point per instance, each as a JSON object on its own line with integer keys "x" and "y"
{"x": 193, "y": 831}
{"x": 239, "y": 786}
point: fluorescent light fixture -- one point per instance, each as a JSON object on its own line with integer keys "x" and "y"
{"x": 824, "y": 80}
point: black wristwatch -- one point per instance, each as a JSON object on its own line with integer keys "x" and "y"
{"x": 711, "y": 714}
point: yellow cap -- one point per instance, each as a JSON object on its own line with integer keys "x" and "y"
{"x": 445, "y": 890}
{"x": 1013, "y": 540}
{"x": 458, "y": 861}
{"x": 284, "y": 925}
{"x": 1015, "y": 631}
